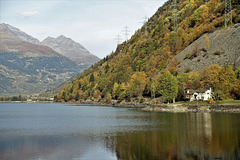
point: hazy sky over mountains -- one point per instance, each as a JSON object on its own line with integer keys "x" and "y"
{"x": 93, "y": 23}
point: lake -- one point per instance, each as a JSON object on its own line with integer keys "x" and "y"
{"x": 32, "y": 131}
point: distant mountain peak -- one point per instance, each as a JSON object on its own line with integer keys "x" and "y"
{"x": 4, "y": 25}
{"x": 49, "y": 37}
{"x": 18, "y": 33}
{"x": 71, "y": 49}
{"x": 62, "y": 36}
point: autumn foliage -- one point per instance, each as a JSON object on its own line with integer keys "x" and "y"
{"x": 138, "y": 67}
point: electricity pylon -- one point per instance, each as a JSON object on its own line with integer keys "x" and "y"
{"x": 228, "y": 12}
{"x": 126, "y": 32}
{"x": 175, "y": 15}
{"x": 118, "y": 39}
{"x": 145, "y": 22}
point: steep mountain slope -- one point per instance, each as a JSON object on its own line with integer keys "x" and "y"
{"x": 29, "y": 67}
{"x": 71, "y": 49}
{"x": 137, "y": 67}
{"x": 18, "y": 33}
{"x": 223, "y": 49}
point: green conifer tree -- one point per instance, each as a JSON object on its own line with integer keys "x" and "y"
{"x": 167, "y": 86}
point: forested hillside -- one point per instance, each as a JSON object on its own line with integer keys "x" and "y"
{"x": 144, "y": 66}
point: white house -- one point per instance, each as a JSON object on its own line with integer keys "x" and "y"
{"x": 196, "y": 95}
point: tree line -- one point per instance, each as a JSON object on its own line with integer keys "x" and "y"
{"x": 13, "y": 98}
{"x": 225, "y": 82}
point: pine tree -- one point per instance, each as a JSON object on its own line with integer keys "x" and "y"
{"x": 77, "y": 96}
{"x": 79, "y": 85}
{"x": 91, "y": 79}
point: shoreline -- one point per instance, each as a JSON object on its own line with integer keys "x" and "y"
{"x": 173, "y": 108}
{"x": 27, "y": 102}
{"x": 178, "y": 108}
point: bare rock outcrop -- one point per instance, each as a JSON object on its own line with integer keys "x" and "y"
{"x": 223, "y": 48}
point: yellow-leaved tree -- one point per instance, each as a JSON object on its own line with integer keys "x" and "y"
{"x": 138, "y": 82}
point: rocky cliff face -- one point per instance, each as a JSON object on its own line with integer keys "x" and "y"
{"x": 71, "y": 49}
{"x": 220, "y": 47}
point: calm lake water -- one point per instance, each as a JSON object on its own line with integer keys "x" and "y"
{"x": 80, "y": 132}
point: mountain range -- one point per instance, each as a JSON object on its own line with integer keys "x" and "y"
{"x": 26, "y": 65}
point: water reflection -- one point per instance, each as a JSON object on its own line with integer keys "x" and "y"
{"x": 58, "y": 132}
{"x": 186, "y": 136}
{"x": 52, "y": 148}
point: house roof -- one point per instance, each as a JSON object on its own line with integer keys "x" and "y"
{"x": 196, "y": 91}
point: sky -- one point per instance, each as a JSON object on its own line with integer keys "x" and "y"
{"x": 95, "y": 24}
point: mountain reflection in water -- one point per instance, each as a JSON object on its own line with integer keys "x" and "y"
{"x": 57, "y": 131}
{"x": 186, "y": 136}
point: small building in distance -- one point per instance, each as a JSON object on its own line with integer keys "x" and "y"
{"x": 196, "y": 95}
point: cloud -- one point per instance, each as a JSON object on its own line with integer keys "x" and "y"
{"x": 28, "y": 14}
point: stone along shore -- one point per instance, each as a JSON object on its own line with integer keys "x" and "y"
{"x": 194, "y": 108}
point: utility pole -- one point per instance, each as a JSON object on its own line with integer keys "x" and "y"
{"x": 175, "y": 16}
{"x": 126, "y": 32}
{"x": 228, "y": 12}
{"x": 145, "y": 19}
{"x": 144, "y": 22}
{"x": 174, "y": 10}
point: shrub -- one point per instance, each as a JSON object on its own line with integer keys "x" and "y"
{"x": 219, "y": 95}
{"x": 190, "y": 55}
{"x": 187, "y": 56}
{"x": 196, "y": 49}
{"x": 211, "y": 101}
{"x": 108, "y": 98}
{"x": 141, "y": 100}
{"x": 204, "y": 50}
{"x": 217, "y": 52}
{"x": 188, "y": 69}
{"x": 194, "y": 54}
